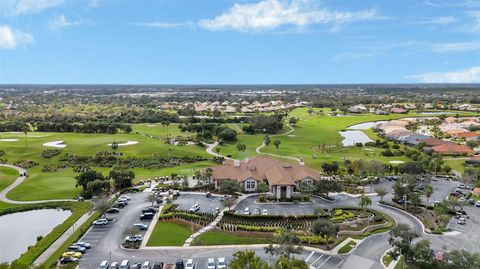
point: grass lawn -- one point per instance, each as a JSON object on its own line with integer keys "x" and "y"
{"x": 169, "y": 234}
{"x": 348, "y": 247}
{"x": 7, "y": 176}
{"x": 224, "y": 238}
{"x": 61, "y": 184}
{"x": 387, "y": 259}
{"x": 457, "y": 165}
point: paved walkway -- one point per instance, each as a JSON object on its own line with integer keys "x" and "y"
{"x": 257, "y": 150}
{"x": 210, "y": 151}
{"x": 62, "y": 239}
{"x": 215, "y": 221}
{"x": 18, "y": 181}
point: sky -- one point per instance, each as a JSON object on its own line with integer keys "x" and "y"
{"x": 239, "y": 41}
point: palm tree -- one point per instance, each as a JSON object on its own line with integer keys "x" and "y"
{"x": 25, "y": 131}
{"x": 241, "y": 147}
{"x": 428, "y": 191}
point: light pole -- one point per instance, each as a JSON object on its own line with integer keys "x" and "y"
{"x": 405, "y": 202}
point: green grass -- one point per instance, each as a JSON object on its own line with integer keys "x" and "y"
{"x": 51, "y": 261}
{"x": 61, "y": 184}
{"x": 224, "y": 238}
{"x": 348, "y": 247}
{"x": 77, "y": 209}
{"x": 7, "y": 177}
{"x": 387, "y": 259}
{"x": 169, "y": 234}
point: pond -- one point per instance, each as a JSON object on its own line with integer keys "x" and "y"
{"x": 352, "y": 137}
{"x": 20, "y": 230}
{"x": 365, "y": 125}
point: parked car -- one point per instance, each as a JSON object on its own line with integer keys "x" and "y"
{"x": 221, "y": 264}
{"x": 477, "y": 203}
{"x": 141, "y": 226}
{"x": 125, "y": 264}
{"x": 73, "y": 254}
{"x": 208, "y": 195}
{"x": 126, "y": 197}
{"x": 190, "y": 264}
{"x": 103, "y": 265}
{"x": 83, "y": 244}
{"x": 133, "y": 238}
{"x": 77, "y": 248}
{"x": 136, "y": 265}
{"x": 256, "y": 211}
{"x": 454, "y": 194}
{"x": 264, "y": 212}
{"x": 157, "y": 265}
{"x": 100, "y": 222}
{"x": 119, "y": 205}
{"x": 211, "y": 263}
{"x": 146, "y": 265}
{"x": 246, "y": 211}
{"x": 194, "y": 208}
{"x": 471, "y": 201}
{"x": 113, "y": 210}
{"x": 179, "y": 264}
{"x": 462, "y": 221}
{"x": 114, "y": 265}
{"x": 216, "y": 211}
{"x": 146, "y": 216}
{"x": 122, "y": 200}
{"x": 67, "y": 260}
{"x": 149, "y": 209}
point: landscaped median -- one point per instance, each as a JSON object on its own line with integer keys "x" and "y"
{"x": 169, "y": 233}
{"x": 77, "y": 209}
{"x": 217, "y": 237}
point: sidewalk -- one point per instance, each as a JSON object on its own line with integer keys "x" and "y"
{"x": 61, "y": 240}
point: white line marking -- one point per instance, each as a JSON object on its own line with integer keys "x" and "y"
{"x": 324, "y": 262}
{"x": 311, "y": 254}
{"x": 321, "y": 255}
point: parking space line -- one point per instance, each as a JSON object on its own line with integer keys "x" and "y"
{"x": 311, "y": 254}
{"x": 324, "y": 262}
{"x": 321, "y": 255}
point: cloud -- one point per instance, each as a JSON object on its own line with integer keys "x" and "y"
{"x": 18, "y": 7}
{"x": 438, "y": 21}
{"x": 61, "y": 21}
{"x": 11, "y": 38}
{"x": 474, "y": 26}
{"x": 455, "y": 47}
{"x": 469, "y": 75}
{"x": 165, "y": 25}
{"x": 272, "y": 14}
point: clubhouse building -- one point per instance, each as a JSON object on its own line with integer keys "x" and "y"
{"x": 282, "y": 178}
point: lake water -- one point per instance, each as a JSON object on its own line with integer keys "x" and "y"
{"x": 352, "y": 137}
{"x": 365, "y": 125}
{"x": 20, "y": 230}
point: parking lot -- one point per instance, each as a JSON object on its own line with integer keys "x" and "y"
{"x": 207, "y": 205}
{"x": 282, "y": 209}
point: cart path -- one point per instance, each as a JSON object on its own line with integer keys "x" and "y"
{"x": 276, "y": 155}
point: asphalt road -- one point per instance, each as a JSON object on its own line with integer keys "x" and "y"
{"x": 106, "y": 240}
{"x": 207, "y": 205}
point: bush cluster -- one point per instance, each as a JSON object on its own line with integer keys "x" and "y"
{"x": 49, "y": 153}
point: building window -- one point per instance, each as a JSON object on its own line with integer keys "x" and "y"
{"x": 251, "y": 185}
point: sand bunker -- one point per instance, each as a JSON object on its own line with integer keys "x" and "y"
{"x": 128, "y": 143}
{"x": 151, "y": 125}
{"x": 55, "y": 144}
{"x": 396, "y": 162}
{"x": 8, "y": 140}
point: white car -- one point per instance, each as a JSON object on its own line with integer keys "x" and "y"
{"x": 461, "y": 221}
{"x": 221, "y": 264}
{"x": 477, "y": 203}
{"x": 146, "y": 265}
{"x": 246, "y": 211}
{"x": 100, "y": 222}
{"x": 211, "y": 263}
{"x": 126, "y": 197}
{"x": 194, "y": 208}
{"x": 190, "y": 264}
{"x": 264, "y": 212}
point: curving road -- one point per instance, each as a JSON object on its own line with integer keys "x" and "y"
{"x": 18, "y": 181}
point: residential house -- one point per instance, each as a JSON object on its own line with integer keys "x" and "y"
{"x": 358, "y": 109}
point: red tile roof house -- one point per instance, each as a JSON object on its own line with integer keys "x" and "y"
{"x": 282, "y": 178}
{"x": 453, "y": 149}
{"x": 467, "y": 135}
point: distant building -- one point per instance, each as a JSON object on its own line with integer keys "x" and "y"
{"x": 358, "y": 109}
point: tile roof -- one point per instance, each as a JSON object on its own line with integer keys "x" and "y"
{"x": 260, "y": 168}
{"x": 452, "y": 148}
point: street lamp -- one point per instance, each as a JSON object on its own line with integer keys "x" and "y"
{"x": 405, "y": 202}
